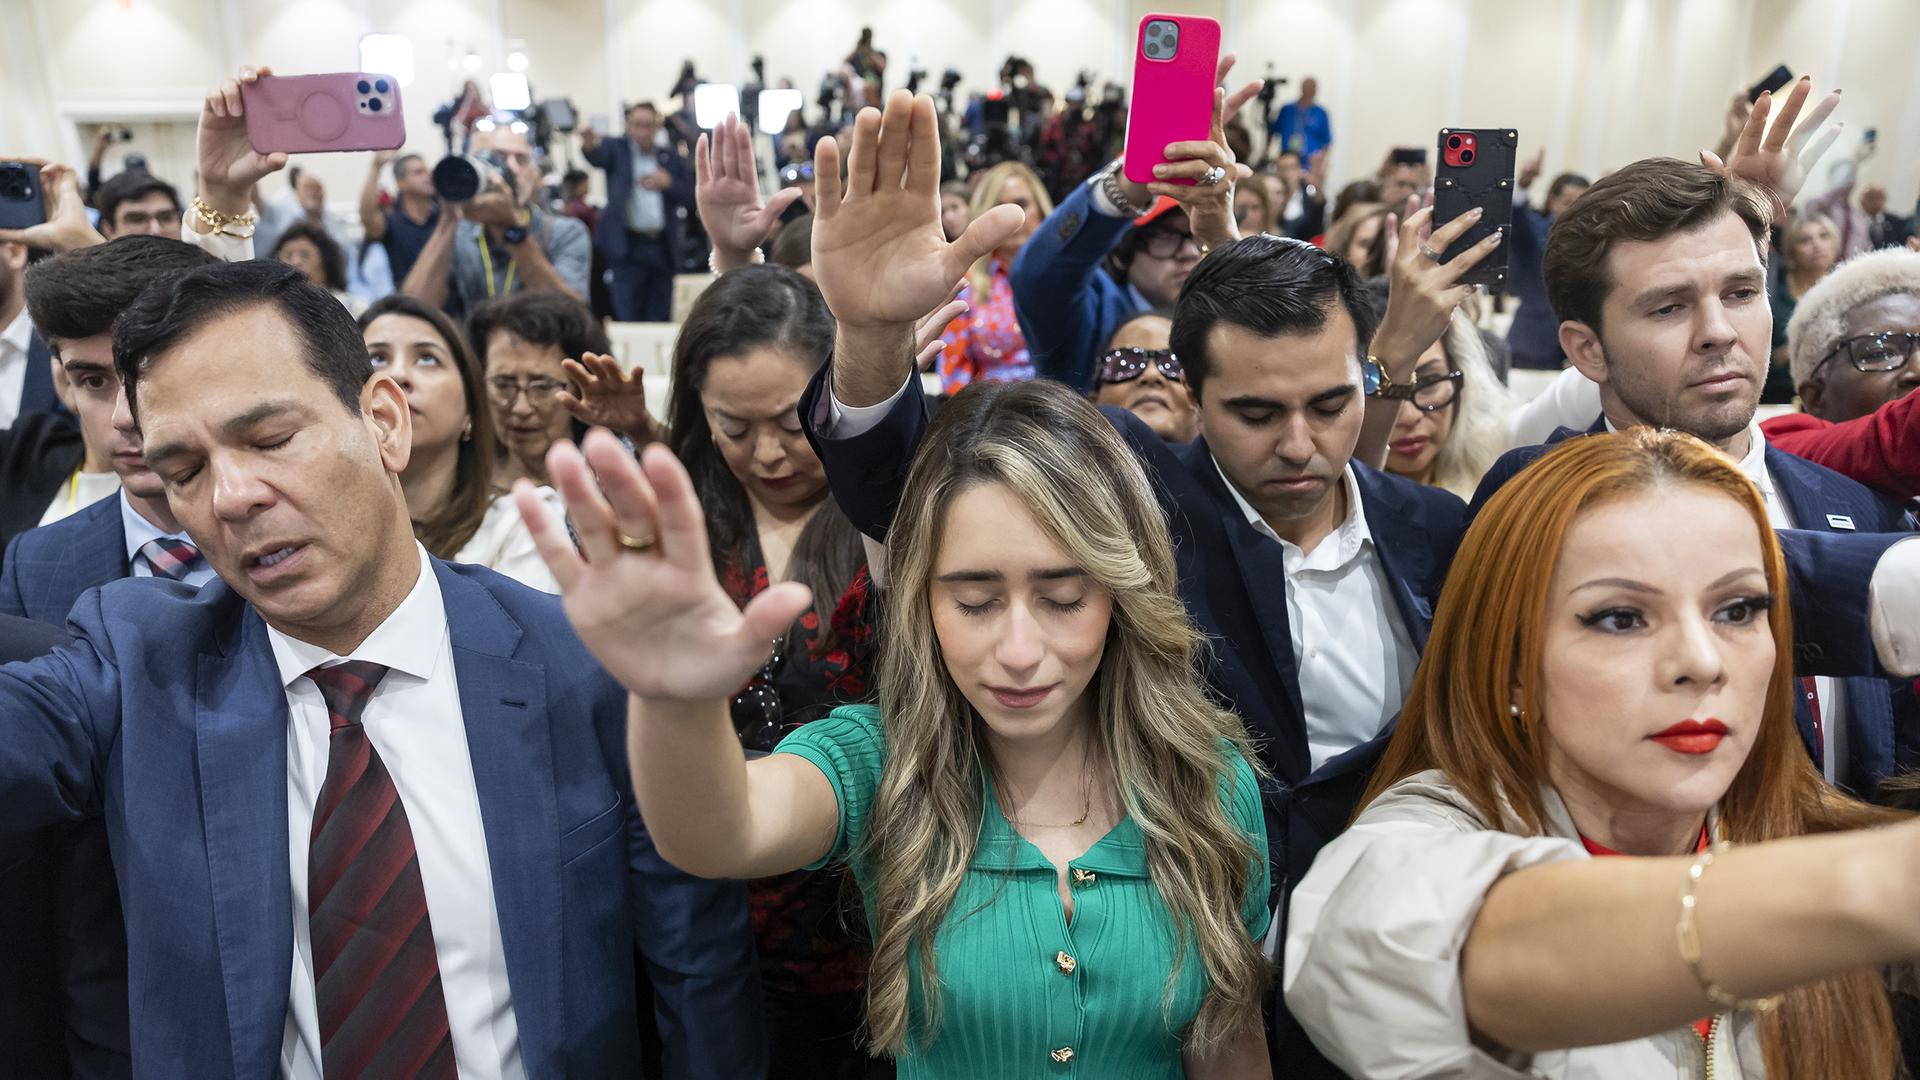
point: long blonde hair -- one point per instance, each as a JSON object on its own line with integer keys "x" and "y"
{"x": 986, "y": 196}
{"x": 1488, "y": 644}
{"x": 1165, "y": 742}
{"x": 1480, "y": 410}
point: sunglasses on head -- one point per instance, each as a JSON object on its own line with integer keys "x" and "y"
{"x": 1128, "y": 364}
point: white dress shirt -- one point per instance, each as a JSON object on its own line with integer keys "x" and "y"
{"x": 14, "y": 342}
{"x": 415, "y": 722}
{"x": 1355, "y": 656}
{"x": 140, "y": 532}
{"x": 81, "y": 490}
{"x": 504, "y": 544}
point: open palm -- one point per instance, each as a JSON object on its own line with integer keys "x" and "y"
{"x": 227, "y": 159}
{"x": 656, "y": 618}
{"x": 726, "y": 190}
{"x": 878, "y": 252}
{"x": 1780, "y": 157}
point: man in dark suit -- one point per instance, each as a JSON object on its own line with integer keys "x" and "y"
{"x": 648, "y": 185}
{"x": 369, "y": 811}
{"x": 1659, "y": 280}
{"x": 26, "y": 380}
{"x": 1884, "y": 228}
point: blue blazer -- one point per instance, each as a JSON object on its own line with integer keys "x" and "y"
{"x": 46, "y": 569}
{"x": 168, "y": 719}
{"x": 1828, "y": 583}
{"x": 1067, "y": 303}
{"x": 615, "y": 156}
{"x": 61, "y": 881}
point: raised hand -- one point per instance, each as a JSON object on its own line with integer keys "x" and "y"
{"x": 726, "y": 190}
{"x": 1530, "y": 171}
{"x": 645, "y": 600}
{"x": 1780, "y": 156}
{"x": 229, "y": 165}
{"x": 609, "y": 397}
{"x": 1423, "y": 292}
{"x": 927, "y": 332}
{"x": 878, "y": 252}
{"x": 1190, "y": 161}
{"x": 66, "y": 227}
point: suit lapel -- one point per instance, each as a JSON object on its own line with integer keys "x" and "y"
{"x": 240, "y": 729}
{"x": 96, "y": 555}
{"x": 1399, "y": 526}
{"x": 503, "y": 702}
{"x": 1800, "y": 489}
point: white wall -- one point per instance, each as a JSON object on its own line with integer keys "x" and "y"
{"x": 1596, "y": 82}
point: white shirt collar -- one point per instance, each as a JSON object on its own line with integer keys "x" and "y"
{"x": 19, "y": 332}
{"x": 409, "y": 641}
{"x": 140, "y": 532}
{"x": 1348, "y": 538}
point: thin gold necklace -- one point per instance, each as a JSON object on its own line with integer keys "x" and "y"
{"x": 1086, "y": 807}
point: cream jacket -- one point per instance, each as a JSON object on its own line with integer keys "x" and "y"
{"x": 1373, "y": 948}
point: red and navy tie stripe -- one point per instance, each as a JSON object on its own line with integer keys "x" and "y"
{"x": 170, "y": 558}
{"x": 376, "y": 975}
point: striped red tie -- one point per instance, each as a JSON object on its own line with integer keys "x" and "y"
{"x": 376, "y": 976}
{"x": 170, "y": 558}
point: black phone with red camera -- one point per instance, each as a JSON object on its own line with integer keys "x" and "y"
{"x": 1476, "y": 170}
{"x": 22, "y": 203}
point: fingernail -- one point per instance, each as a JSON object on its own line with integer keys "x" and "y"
{"x": 1475, "y": 213}
{"x": 1159, "y": 170}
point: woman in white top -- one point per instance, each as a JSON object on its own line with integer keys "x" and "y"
{"x": 1610, "y": 672}
{"x": 457, "y": 514}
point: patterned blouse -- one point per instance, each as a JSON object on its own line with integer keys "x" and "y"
{"x": 984, "y": 342}
{"x": 805, "y": 922}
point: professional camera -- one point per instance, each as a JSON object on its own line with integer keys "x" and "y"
{"x": 459, "y": 177}
{"x": 915, "y": 76}
{"x": 687, "y": 80}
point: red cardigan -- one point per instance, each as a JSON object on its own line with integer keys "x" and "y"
{"x": 1880, "y": 449}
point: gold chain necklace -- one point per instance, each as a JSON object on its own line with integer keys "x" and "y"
{"x": 1086, "y": 807}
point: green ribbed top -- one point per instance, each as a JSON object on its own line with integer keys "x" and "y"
{"x": 1007, "y": 1002}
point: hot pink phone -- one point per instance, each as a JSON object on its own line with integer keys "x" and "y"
{"x": 1174, "y": 64}
{"x": 315, "y": 114}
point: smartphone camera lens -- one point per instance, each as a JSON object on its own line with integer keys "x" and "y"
{"x": 1466, "y": 157}
{"x": 1453, "y": 142}
{"x": 381, "y": 86}
{"x": 374, "y": 105}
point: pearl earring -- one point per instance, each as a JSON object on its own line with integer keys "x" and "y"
{"x": 1515, "y": 710}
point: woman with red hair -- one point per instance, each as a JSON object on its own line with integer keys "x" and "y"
{"x": 1609, "y": 674}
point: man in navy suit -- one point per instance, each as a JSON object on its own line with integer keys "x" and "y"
{"x": 647, "y": 185}
{"x": 26, "y": 380}
{"x": 368, "y": 811}
{"x": 1658, "y": 275}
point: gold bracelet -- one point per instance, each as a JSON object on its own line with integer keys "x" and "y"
{"x": 1689, "y": 938}
{"x": 217, "y": 222}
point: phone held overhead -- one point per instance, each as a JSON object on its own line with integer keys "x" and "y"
{"x": 1476, "y": 171}
{"x": 1174, "y": 63}
{"x": 317, "y": 114}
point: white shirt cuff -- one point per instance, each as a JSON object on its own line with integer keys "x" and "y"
{"x": 1102, "y": 204}
{"x": 1894, "y": 596}
{"x": 853, "y": 421}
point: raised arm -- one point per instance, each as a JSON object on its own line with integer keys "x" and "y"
{"x": 726, "y": 191}
{"x": 372, "y": 218}
{"x": 66, "y": 227}
{"x": 646, "y": 602}
{"x": 427, "y": 280}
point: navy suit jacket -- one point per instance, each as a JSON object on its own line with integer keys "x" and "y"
{"x": 1068, "y": 305}
{"x": 615, "y": 156}
{"x": 1828, "y": 585}
{"x": 168, "y": 719}
{"x": 36, "y": 394}
{"x": 46, "y": 569}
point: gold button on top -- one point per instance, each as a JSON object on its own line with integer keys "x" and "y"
{"x": 1082, "y": 877}
{"x": 1063, "y": 1055}
{"x": 1065, "y": 963}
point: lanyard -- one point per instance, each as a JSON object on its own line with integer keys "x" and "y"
{"x": 73, "y": 491}
{"x": 486, "y": 257}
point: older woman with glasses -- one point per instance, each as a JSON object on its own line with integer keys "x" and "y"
{"x": 1455, "y": 426}
{"x": 1140, "y": 374}
{"x": 522, "y": 341}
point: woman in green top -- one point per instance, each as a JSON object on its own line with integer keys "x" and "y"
{"x": 1043, "y": 793}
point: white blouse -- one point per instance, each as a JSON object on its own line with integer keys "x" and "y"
{"x": 504, "y": 544}
{"x": 1376, "y": 931}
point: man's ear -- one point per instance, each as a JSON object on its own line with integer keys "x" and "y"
{"x": 1581, "y": 343}
{"x": 1813, "y": 394}
{"x": 384, "y": 405}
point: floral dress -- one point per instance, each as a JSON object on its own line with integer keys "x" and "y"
{"x": 984, "y": 342}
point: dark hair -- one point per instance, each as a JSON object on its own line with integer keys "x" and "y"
{"x": 1151, "y": 313}
{"x": 182, "y": 304}
{"x": 1271, "y": 285}
{"x": 750, "y": 307}
{"x": 574, "y": 176}
{"x": 130, "y": 186}
{"x": 446, "y": 529}
{"x": 793, "y": 244}
{"x": 1290, "y": 152}
{"x": 538, "y": 317}
{"x": 333, "y": 261}
{"x": 79, "y": 294}
{"x": 1355, "y": 193}
{"x": 400, "y": 163}
{"x": 1648, "y": 200}
{"x": 1564, "y": 181}
{"x": 647, "y": 105}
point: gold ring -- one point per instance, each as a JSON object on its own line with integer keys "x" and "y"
{"x": 1429, "y": 253}
{"x": 636, "y": 543}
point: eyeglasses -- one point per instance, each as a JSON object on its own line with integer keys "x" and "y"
{"x": 1166, "y": 243}
{"x": 1128, "y": 364}
{"x": 503, "y": 389}
{"x": 1431, "y": 393}
{"x": 1887, "y": 351}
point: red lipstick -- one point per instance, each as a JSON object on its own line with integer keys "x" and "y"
{"x": 1692, "y": 736}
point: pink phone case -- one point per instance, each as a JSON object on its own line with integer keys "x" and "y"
{"x": 313, "y": 114}
{"x": 1172, "y": 96}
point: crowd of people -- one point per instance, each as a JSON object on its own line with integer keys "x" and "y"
{"x": 1053, "y": 626}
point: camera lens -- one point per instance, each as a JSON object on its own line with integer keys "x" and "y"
{"x": 374, "y": 105}
{"x": 1453, "y": 142}
{"x": 380, "y": 85}
{"x": 362, "y": 86}
{"x": 1466, "y": 157}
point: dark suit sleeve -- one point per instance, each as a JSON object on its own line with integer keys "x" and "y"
{"x": 58, "y": 713}
{"x": 11, "y": 600}
{"x": 866, "y": 472}
{"x": 601, "y": 156}
{"x": 680, "y": 191}
{"x": 1829, "y": 580}
{"x": 696, "y": 938}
